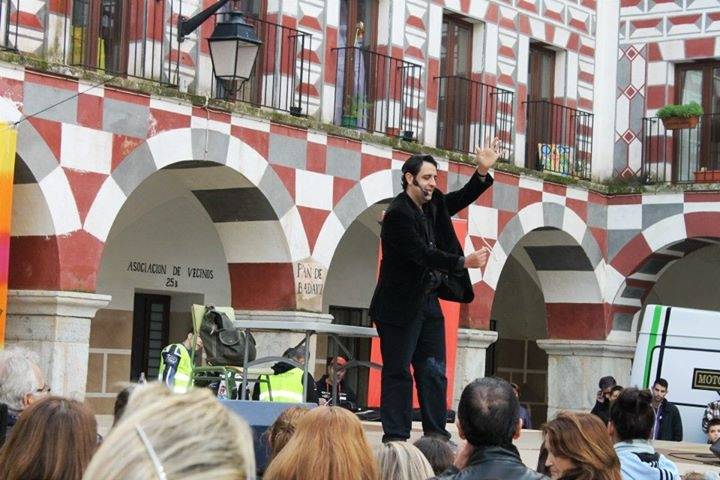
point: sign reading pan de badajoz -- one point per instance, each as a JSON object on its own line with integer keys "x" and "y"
{"x": 704, "y": 379}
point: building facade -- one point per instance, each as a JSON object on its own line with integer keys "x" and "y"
{"x": 143, "y": 185}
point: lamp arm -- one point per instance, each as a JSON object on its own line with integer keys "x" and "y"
{"x": 188, "y": 25}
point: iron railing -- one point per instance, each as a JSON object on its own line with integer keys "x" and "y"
{"x": 688, "y": 155}
{"x": 136, "y": 38}
{"x": 471, "y": 112}
{"x": 559, "y": 139}
{"x": 377, "y": 93}
{"x": 281, "y": 72}
{"x": 9, "y": 24}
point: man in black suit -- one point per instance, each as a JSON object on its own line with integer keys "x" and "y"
{"x": 422, "y": 261}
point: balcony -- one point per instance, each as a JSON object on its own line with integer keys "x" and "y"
{"x": 559, "y": 139}
{"x": 690, "y": 155}
{"x": 377, "y": 93}
{"x": 471, "y": 112}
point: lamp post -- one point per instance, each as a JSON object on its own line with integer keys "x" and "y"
{"x": 233, "y": 44}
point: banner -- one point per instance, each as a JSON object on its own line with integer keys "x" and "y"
{"x": 8, "y": 139}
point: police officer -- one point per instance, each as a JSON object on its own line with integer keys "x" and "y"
{"x": 176, "y": 363}
{"x": 286, "y": 384}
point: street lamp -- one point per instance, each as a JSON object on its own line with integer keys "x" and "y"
{"x": 233, "y": 44}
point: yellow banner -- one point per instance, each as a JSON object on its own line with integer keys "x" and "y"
{"x": 8, "y": 141}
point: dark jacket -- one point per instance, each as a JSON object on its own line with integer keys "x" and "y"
{"x": 493, "y": 463}
{"x": 407, "y": 258}
{"x": 670, "y": 423}
{"x": 346, "y": 396}
{"x": 602, "y": 410}
{"x": 282, "y": 367}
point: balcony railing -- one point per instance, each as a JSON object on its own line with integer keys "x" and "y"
{"x": 377, "y": 93}
{"x": 136, "y": 38}
{"x": 559, "y": 139}
{"x": 690, "y": 155}
{"x": 281, "y": 72}
{"x": 9, "y": 24}
{"x": 472, "y": 112}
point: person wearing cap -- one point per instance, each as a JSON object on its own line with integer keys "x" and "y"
{"x": 422, "y": 262}
{"x": 345, "y": 396}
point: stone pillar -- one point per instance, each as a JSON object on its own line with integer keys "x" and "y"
{"x": 575, "y": 366}
{"x": 470, "y": 361}
{"x": 275, "y": 343}
{"x": 56, "y": 325}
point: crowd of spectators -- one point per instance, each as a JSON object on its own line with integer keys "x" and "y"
{"x": 158, "y": 434}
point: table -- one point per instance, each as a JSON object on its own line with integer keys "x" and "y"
{"x": 309, "y": 328}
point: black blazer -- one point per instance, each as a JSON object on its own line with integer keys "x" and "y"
{"x": 407, "y": 257}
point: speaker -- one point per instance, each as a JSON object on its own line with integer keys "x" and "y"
{"x": 260, "y": 416}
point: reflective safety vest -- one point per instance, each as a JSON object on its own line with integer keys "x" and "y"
{"x": 182, "y": 380}
{"x": 283, "y": 387}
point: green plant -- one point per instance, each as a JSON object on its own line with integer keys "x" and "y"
{"x": 692, "y": 109}
{"x": 356, "y": 107}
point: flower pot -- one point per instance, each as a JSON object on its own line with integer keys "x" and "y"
{"x": 679, "y": 123}
{"x": 392, "y": 132}
{"x": 349, "y": 121}
{"x": 296, "y": 111}
{"x": 407, "y": 135}
{"x": 707, "y": 176}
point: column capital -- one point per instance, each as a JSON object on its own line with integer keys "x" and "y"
{"x": 55, "y": 303}
{"x": 588, "y": 348}
{"x": 472, "y": 338}
{"x": 282, "y": 316}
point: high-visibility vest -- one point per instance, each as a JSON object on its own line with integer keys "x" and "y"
{"x": 183, "y": 375}
{"x": 282, "y": 387}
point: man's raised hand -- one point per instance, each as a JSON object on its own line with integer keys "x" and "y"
{"x": 487, "y": 156}
{"x": 477, "y": 259}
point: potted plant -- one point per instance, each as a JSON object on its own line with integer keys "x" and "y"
{"x": 677, "y": 117}
{"x": 355, "y": 110}
{"x": 707, "y": 176}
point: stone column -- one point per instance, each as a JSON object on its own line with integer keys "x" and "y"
{"x": 56, "y": 325}
{"x": 470, "y": 361}
{"x": 575, "y": 366}
{"x": 275, "y": 343}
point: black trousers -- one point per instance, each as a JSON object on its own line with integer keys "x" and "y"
{"x": 422, "y": 345}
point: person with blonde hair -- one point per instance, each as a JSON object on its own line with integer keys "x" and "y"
{"x": 283, "y": 428}
{"x": 53, "y": 439}
{"x": 165, "y": 436}
{"x": 402, "y": 461}
{"x": 579, "y": 448}
{"x": 328, "y": 444}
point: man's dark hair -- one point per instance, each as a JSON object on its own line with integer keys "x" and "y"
{"x": 662, "y": 382}
{"x": 713, "y": 422}
{"x": 121, "y": 402}
{"x": 607, "y": 382}
{"x": 413, "y": 165}
{"x": 632, "y": 414}
{"x": 437, "y": 451}
{"x": 488, "y": 412}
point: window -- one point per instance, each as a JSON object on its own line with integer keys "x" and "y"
{"x": 699, "y": 148}
{"x": 99, "y": 37}
{"x": 455, "y": 86}
{"x": 541, "y": 75}
{"x": 352, "y": 12}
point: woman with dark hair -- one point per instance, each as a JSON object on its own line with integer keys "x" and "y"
{"x": 579, "y": 448}
{"x": 631, "y": 423}
{"x": 53, "y": 439}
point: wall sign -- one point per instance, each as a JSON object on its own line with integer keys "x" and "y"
{"x": 172, "y": 273}
{"x": 309, "y": 285}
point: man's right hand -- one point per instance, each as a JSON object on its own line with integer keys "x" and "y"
{"x": 600, "y": 396}
{"x": 477, "y": 259}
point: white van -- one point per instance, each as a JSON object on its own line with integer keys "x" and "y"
{"x": 681, "y": 345}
